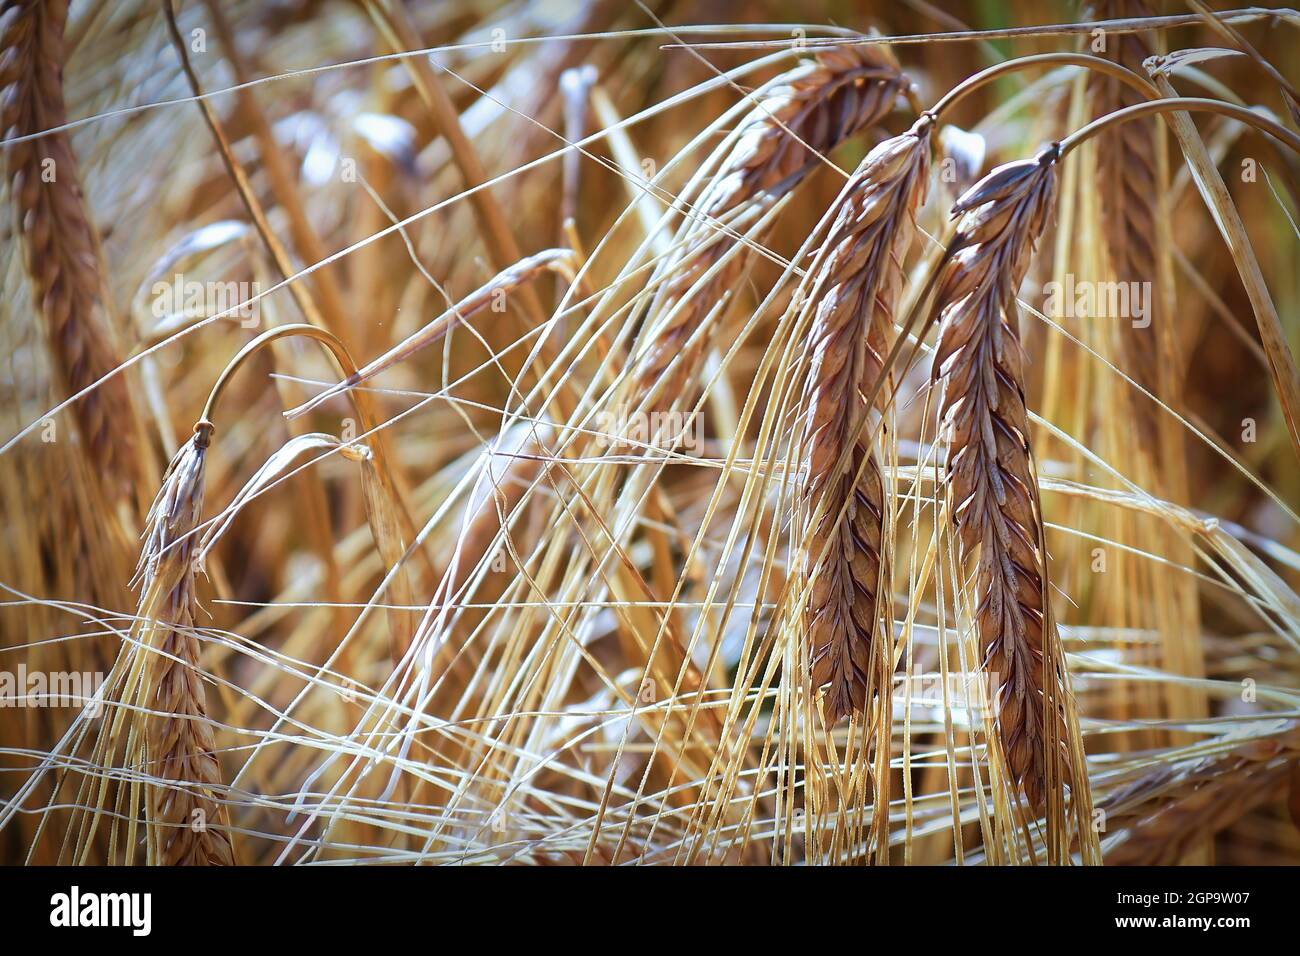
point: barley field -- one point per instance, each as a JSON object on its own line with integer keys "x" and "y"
{"x": 672, "y": 432}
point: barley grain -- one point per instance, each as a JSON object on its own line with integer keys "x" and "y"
{"x": 1126, "y": 188}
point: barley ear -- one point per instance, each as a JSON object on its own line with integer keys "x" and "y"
{"x": 1127, "y": 188}
{"x": 184, "y": 813}
{"x": 805, "y": 113}
{"x": 853, "y": 302}
{"x": 1158, "y": 818}
{"x": 989, "y": 469}
{"x": 60, "y": 242}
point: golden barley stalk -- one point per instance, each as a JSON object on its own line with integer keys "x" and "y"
{"x": 492, "y": 293}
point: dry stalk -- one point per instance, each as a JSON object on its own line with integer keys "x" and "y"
{"x": 60, "y": 241}
{"x": 806, "y": 114}
{"x": 282, "y": 179}
{"x": 179, "y": 743}
{"x": 394, "y": 24}
{"x": 852, "y": 329}
{"x": 989, "y": 471}
{"x": 492, "y": 293}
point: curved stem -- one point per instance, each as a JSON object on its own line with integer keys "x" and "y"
{"x": 328, "y": 339}
{"x": 204, "y": 427}
{"x": 1155, "y": 104}
{"x": 1181, "y": 104}
{"x": 984, "y": 77}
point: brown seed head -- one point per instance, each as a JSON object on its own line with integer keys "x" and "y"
{"x": 59, "y": 239}
{"x": 1163, "y": 813}
{"x": 179, "y": 741}
{"x": 805, "y": 115}
{"x": 989, "y": 466}
{"x": 1127, "y": 190}
{"x": 854, "y": 294}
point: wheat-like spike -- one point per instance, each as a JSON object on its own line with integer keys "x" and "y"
{"x": 1164, "y": 813}
{"x": 852, "y": 329}
{"x": 989, "y": 465}
{"x": 179, "y": 740}
{"x": 822, "y": 102}
{"x": 182, "y": 750}
{"x": 1126, "y": 185}
{"x": 60, "y": 242}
